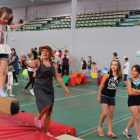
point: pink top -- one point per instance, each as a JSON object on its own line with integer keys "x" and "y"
{"x": 98, "y": 69}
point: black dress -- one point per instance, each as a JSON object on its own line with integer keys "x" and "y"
{"x": 43, "y": 87}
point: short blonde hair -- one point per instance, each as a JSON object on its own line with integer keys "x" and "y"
{"x": 10, "y": 68}
{"x": 82, "y": 58}
{"x": 29, "y": 54}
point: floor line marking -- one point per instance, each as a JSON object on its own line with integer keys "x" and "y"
{"x": 63, "y": 98}
{"x": 103, "y": 124}
{"x": 104, "y": 127}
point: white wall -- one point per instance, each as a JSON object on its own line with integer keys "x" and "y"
{"x": 91, "y": 7}
{"x": 100, "y": 43}
{"x": 19, "y": 13}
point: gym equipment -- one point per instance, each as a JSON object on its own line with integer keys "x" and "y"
{"x": 84, "y": 79}
{"x": 121, "y": 84}
{"x": 25, "y": 72}
{"x": 98, "y": 76}
{"x": 89, "y": 76}
{"x": 105, "y": 70}
{"x": 25, "y": 77}
{"x": 94, "y": 75}
{"x": 72, "y": 81}
{"x": 99, "y": 81}
{"x": 22, "y": 76}
{"x": 9, "y": 105}
{"x": 65, "y": 80}
{"x": 21, "y": 127}
{"x": 78, "y": 77}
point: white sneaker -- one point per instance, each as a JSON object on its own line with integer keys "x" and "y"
{"x": 6, "y": 93}
{"x": 15, "y": 84}
{"x": 32, "y": 92}
{"x": 12, "y": 95}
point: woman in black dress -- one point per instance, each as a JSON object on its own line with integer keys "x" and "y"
{"x": 43, "y": 87}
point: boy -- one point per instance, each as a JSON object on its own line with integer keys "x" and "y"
{"x": 125, "y": 70}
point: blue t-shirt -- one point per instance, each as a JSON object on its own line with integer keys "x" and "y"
{"x": 15, "y": 63}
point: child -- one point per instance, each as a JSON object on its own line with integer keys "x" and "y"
{"x": 30, "y": 73}
{"x": 115, "y": 55}
{"x": 106, "y": 97}
{"x": 83, "y": 66}
{"x": 19, "y": 66}
{"x": 125, "y": 70}
{"x": 6, "y": 18}
{"x": 9, "y": 84}
{"x": 89, "y": 67}
{"x": 133, "y": 88}
{"x": 96, "y": 68}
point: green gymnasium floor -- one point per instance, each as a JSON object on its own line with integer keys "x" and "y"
{"x": 81, "y": 110}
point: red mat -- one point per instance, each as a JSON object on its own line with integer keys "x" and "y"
{"x": 21, "y": 127}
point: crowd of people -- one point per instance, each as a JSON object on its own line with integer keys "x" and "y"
{"x": 44, "y": 64}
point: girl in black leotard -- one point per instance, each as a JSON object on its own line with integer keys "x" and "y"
{"x": 133, "y": 88}
{"x": 43, "y": 87}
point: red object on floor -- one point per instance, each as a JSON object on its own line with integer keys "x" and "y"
{"x": 21, "y": 127}
{"x": 84, "y": 79}
{"x": 101, "y": 78}
{"x": 72, "y": 81}
{"x": 98, "y": 80}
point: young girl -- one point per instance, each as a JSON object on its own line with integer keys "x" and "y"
{"x": 96, "y": 68}
{"x": 106, "y": 97}
{"x": 9, "y": 84}
{"x": 89, "y": 67}
{"x": 30, "y": 73}
{"x": 133, "y": 88}
{"x": 6, "y": 18}
{"x": 83, "y": 66}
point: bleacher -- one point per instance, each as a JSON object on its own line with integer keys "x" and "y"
{"x": 102, "y": 19}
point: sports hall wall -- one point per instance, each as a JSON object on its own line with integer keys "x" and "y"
{"x": 92, "y": 6}
{"x": 99, "y": 43}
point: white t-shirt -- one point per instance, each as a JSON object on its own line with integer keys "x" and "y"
{"x": 126, "y": 70}
{"x": 4, "y": 48}
{"x": 57, "y": 59}
{"x": 31, "y": 69}
{"x": 11, "y": 77}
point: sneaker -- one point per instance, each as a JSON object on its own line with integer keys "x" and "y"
{"x": 11, "y": 95}
{"x": 32, "y": 92}
{"x": 128, "y": 134}
{"x": 48, "y": 134}
{"x": 15, "y": 84}
{"x": 37, "y": 123}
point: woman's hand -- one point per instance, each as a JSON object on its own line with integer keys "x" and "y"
{"x": 23, "y": 23}
{"x": 68, "y": 94}
{"x": 73, "y": 65}
{"x": 99, "y": 99}
{"x": 23, "y": 59}
{"x": 34, "y": 75}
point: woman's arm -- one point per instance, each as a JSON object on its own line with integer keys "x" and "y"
{"x": 59, "y": 80}
{"x": 70, "y": 59}
{"x": 33, "y": 64}
{"x": 13, "y": 59}
{"x": 102, "y": 86}
{"x": 17, "y": 25}
{"x": 130, "y": 90}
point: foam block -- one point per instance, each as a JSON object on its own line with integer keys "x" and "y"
{"x": 89, "y": 76}
{"x": 94, "y": 75}
{"x": 21, "y": 127}
{"x": 9, "y": 105}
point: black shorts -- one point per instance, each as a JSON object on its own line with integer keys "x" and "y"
{"x": 108, "y": 100}
{"x": 4, "y": 57}
{"x": 134, "y": 101}
{"x": 99, "y": 71}
{"x": 83, "y": 68}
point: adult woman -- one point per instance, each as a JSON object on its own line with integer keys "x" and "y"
{"x": 14, "y": 62}
{"x": 43, "y": 87}
{"x": 65, "y": 62}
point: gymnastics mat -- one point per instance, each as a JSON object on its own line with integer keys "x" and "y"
{"x": 21, "y": 126}
{"x": 67, "y": 137}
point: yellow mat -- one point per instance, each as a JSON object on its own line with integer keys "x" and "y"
{"x": 67, "y": 137}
